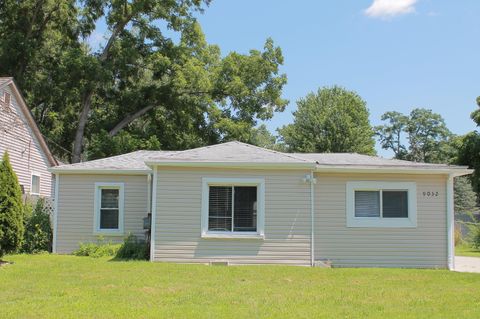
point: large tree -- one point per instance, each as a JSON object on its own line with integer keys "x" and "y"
{"x": 11, "y": 209}
{"x": 421, "y": 136}
{"x": 331, "y": 120}
{"x": 153, "y": 82}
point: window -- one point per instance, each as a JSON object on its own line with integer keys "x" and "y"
{"x": 381, "y": 204}
{"x": 109, "y": 208}
{"x": 35, "y": 185}
{"x": 232, "y": 208}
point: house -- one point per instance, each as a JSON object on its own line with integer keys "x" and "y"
{"x": 19, "y": 135}
{"x": 242, "y": 204}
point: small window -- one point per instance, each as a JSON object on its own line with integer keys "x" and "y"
{"x": 109, "y": 207}
{"x": 381, "y": 204}
{"x": 35, "y": 185}
{"x": 232, "y": 207}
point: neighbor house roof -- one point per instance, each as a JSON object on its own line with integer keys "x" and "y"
{"x": 237, "y": 154}
{"x": 8, "y": 81}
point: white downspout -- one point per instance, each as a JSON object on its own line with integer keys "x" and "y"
{"x": 312, "y": 219}
{"x": 154, "y": 213}
{"x": 55, "y": 213}
{"x": 450, "y": 224}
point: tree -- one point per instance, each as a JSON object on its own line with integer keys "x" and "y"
{"x": 260, "y": 136}
{"x": 331, "y": 120}
{"x": 11, "y": 209}
{"x": 425, "y": 132}
{"x": 465, "y": 197}
{"x": 141, "y": 86}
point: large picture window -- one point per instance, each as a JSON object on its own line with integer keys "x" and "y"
{"x": 232, "y": 207}
{"x": 381, "y": 204}
{"x": 109, "y": 207}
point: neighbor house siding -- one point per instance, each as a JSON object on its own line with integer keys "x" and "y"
{"x": 76, "y": 208}
{"x": 423, "y": 246}
{"x": 178, "y": 219}
{"x": 17, "y": 138}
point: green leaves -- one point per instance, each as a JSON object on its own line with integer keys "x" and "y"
{"x": 331, "y": 120}
{"x": 426, "y": 133}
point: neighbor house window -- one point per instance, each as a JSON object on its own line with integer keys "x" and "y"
{"x": 232, "y": 207}
{"x": 381, "y": 204}
{"x": 109, "y": 207}
{"x": 35, "y": 184}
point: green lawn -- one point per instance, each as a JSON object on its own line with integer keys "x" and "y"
{"x": 49, "y": 286}
{"x": 466, "y": 250}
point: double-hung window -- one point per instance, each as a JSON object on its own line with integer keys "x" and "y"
{"x": 109, "y": 208}
{"x": 381, "y": 204}
{"x": 233, "y": 207}
{"x": 35, "y": 184}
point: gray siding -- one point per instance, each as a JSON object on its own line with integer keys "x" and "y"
{"x": 76, "y": 208}
{"x": 26, "y": 156}
{"x": 178, "y": 219}
{"x": 423, "y": 246}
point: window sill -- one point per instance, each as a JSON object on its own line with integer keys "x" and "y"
{"x": 232, "y": 236}
{"x": 108, "y": 233}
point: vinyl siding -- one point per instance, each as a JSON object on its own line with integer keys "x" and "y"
{"x": 76, "y": 208}
{"x": 423, "y": 246}
{"x": 26, "y": 156}
{"x": 178, "y": 219}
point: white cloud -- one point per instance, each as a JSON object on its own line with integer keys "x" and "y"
{"x": 390, "y": 8}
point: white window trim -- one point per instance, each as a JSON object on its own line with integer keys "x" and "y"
{"x": 96, "y": 226}
{"x": 39, "y": 183}
{"x": 410, "y": 187}
{"x": 258, "y": 182}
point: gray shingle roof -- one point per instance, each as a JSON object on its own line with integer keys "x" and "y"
{"x": 236, "y": 152}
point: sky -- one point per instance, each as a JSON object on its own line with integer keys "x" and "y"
{"x": 396, "y": 54}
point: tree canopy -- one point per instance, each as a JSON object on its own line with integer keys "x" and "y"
{"x": 153, "y": 83}
{"x": 421, "y": 136}
{"x": 331, "y": 120}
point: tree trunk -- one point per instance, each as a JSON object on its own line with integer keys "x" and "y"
{"x": 82, "y": 122}
{"x": 129, "y": 119}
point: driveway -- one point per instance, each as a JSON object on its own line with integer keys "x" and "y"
{"x": 467, "y": 264}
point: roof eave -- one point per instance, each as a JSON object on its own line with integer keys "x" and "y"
{"x": 458, "y": 171}
{"x": 109, "y": 171}
{"x": 251, "y": 165}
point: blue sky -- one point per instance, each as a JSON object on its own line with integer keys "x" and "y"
{"x": 401, "y": 55}
{"x": 397, "y": 54}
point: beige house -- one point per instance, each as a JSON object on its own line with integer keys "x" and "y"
{"x": 19, "y": 135}
{"x": 242, "y": 204}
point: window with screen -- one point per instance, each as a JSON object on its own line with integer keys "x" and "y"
{"x": 35, "y": 185}
{"x": 381, "y": 204}
{"x": 233, "y": 207}
{"x": 109, "y": 207}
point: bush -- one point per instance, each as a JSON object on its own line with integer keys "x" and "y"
{"x": 132, "y": 248}
{"x": 11, "y": 209}
{"x": 99, "y": 249}
{"x": 458, "y": 236}
{"x": 476, "y": 237}
{"x": 38, "y": 230}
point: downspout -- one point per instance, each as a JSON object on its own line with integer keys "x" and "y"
{"x": 149, "y": 193}
{"x": 312, "y": 220}
{"x": 55, "y": 213}
{"x": 450, "y": 223}
{"x": 154, "y": 213}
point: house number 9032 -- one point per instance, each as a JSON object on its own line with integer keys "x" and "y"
{"x": 430, "y": 194}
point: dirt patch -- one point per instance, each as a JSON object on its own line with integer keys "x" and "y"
{"x": 4, "y": 262}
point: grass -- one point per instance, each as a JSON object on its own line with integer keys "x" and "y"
{"x": 466, "y": 250}
{"x": 50, "y": 286}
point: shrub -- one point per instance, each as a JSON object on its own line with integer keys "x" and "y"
{"x": 99, "y": 249}
{"x": 133, "y": 248}
{"x": 38, "y": 230}
{"x": 476, "y": 237}
{"x": 458, "y": 236}
{"x": 11, "y": 209}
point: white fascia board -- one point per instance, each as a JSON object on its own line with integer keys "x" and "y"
{"x": 252, "y": 165}
{"x": 392, "y": 170}
{"x": 101, "y": 171}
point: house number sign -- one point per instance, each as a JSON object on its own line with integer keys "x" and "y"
{"x": 430, "y": 194}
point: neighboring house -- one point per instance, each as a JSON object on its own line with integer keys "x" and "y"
{"x": 19, "y": 135}
{"x": 242, "y": 204}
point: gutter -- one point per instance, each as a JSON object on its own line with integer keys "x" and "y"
{"x": 450, "y": 223}
{"x": 250, "y": 165}
{"x": 55, "y": 170}
{"x": 392, "y": 170}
